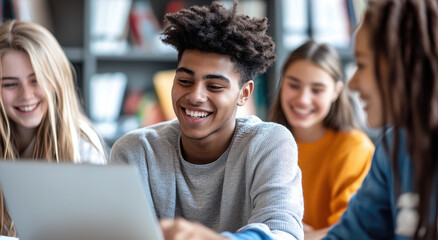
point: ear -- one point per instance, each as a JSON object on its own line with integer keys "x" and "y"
{"x": 245, "y": 93}
{"x": 338, "y": 89}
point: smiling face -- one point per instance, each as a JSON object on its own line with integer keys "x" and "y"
{"x": 24, "y": 100}
{"x": 307, "y": 93}
{"x": 205, "y": 95}
{"x": 364, "y": 79}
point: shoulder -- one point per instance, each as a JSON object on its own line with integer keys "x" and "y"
{"x": 89, "y": 153}
{"x": 353, "y": 139}
{"x": 146, "y": 142}
{"x": 89, "y": 147}
{"x": 385, "y": 147}
{"x": 89, "y": 135}
{"x": 158, "y": 132}
{"x": 254, "y": 127}
{"x": 352, "y": 149}
{"x": 255, "y": 137}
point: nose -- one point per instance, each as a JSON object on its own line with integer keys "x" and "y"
{"x": 196, "y": 94}
{"x": 305, "y": 96}
{"x": 354, "y": 82}
{"x": 26, "y": 91}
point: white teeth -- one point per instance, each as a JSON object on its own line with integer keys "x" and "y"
{"x": 195, "y": 114}
{"x": 27, "y": 108}
{"x": 299, "y": 111}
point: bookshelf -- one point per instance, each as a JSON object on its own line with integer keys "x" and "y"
{"x": 306, "y": 21}
{"x": 72, "y": 26}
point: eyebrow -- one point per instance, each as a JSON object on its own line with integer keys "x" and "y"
{"x": 16, "y": 78}
{"x": 209, "y": 76}
{"x": 183, "y": 69}
{"x": 295, "y": 79}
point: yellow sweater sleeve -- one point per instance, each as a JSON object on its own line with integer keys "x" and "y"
{"x": 349, "y": 170}
{"x": 333, "y": 169}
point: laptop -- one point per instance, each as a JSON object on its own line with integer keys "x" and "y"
{"x": 49, "y": 201}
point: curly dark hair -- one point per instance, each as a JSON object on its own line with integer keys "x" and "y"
{"x": 219, "y": 30}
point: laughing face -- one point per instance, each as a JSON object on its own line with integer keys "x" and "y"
{"x": 364, "y": 79}
{"x": 206, "y": 94}
{"x": 24, "y": 100}
{"x": 307, "y": 93}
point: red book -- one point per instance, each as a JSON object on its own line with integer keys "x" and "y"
{"x": 144, "y": 24}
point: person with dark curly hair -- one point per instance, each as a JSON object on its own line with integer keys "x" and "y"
{"x": 237, "y": 178}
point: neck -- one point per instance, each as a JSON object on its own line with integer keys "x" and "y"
{"x": 308, "y": 135}
{"x": 26, "y": 136}
{"x": 207, "y": 150}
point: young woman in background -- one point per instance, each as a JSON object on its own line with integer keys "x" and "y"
{"x": 334, "y": 155}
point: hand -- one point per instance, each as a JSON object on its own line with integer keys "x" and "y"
{"x": 316, "y": 234}
{"x": 307, "y": 228}
{"x": 181, "y": 229}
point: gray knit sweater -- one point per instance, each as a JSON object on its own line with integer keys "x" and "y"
{"x": 256, "y": 183}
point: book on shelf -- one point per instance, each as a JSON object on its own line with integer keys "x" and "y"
{"x": 144, "y": 106}
{"x": 108, "y": 25}
{"x": 174, "y": 6}
{"x": 144, "y": 26}
{"x": 139, "y": 109}
{"x": 132, "y": 101}
{"x": 106, "y": 96}
{"x": 33, "y": 11}
{"x": 163, "y": 81}
{"x": 331, "y": 23}
{"x": 150, "y": 111}
{"x": 253, "y": 8}
{"x": 295, "y": 19}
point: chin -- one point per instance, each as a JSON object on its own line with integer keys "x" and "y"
{"x": 33, "y": 125}
{"x": 194, "y": 136}
{"x": 302, "y": 125}
{"x": 374, "y": 124}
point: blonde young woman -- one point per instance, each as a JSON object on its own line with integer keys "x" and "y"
{"x": 40, "y": 114}
{"x": 334, "y": 155}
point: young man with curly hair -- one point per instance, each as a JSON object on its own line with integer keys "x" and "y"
{"x": 208, "y": 174}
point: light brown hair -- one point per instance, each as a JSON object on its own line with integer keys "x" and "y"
{"x": 340, "y": 116}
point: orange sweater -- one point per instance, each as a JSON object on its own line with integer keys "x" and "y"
{"x": 333, "y": 168}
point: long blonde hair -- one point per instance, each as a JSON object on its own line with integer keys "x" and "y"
{"x": 64, "y": 123}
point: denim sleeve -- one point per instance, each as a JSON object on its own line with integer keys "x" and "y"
{"x": 250, "y": 234}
